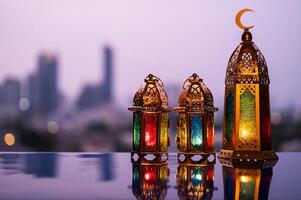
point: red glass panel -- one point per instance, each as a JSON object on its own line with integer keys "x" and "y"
{"x": 149, "y": 174}
{"x": 210, "y": 132}
{"x": 265, "y": 125}
{"x": 150, "y": 131}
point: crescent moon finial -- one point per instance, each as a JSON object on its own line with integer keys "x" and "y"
{"x": 238, "y": 19}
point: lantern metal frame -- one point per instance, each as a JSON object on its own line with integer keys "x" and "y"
{"x": 246, "y": 132}
{"x": 186, "y": 187}
{"x": 151, "y": 99}
{"x": 195, "y": 100}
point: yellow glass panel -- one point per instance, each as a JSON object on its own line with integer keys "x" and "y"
{"x": 247, "y": 121}
{"x": 182, "y": 131}
{"x": 247, "y": 117}
{"x": 183, "y": 173}
{"x": 164, "y": 132}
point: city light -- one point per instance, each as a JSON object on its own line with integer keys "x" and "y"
{"x": 276, "y": 118}
{"x": 53, "y": 127}
{"x": 24, "y": 104}
{"x": 9, "y": 139}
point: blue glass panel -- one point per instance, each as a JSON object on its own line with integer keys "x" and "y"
{"x": 196, "y": 131}
{"x": 196, "y": 176}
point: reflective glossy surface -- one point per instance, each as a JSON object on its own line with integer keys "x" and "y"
{"x": 109, "y": 176}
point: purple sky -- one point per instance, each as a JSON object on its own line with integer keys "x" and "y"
{"x": 171, "y": 39}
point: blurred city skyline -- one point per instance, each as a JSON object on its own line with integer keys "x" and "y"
{"x": 171, "y": 39}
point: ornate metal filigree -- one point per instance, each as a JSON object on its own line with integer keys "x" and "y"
{"x": 151, "y": 95}
{"x": 247, "y": 65}
{"x": 195, "y": 96}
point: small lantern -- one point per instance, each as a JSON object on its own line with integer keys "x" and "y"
{"x": 150, "y": 181}
{"x": 150, "y": 121}
{"x": 251, "y": 182}
{"x": 247, "y": 132}
{"x": 195, "y": 122}
{"x": 195, "y": 181}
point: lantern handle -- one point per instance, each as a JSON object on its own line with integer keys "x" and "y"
{"x": 193, "y": 77}
{"x": 152, "y": 77}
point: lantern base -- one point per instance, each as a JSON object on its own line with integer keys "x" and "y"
{"x": 196, "y": 158}
{"x": 149, "y": 157}
{"x": 263, "y": 159}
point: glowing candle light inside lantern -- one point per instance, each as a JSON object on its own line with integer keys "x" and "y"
{"x": 198, "y": 176}
{"x": 199, "y": 141}
{"x": 244, "y": 179}
{"x": 150, "y": 130}
{"x": 244, "y": 133}
{"x": 147, "y": 137}
{"x": 146, "y": 176}
{"x": 149, "y": 176}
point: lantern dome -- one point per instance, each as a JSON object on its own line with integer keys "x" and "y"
{"x": 151, "y": 96}
{"x": 195, "y": 96}
{"x": 247, "y": 64}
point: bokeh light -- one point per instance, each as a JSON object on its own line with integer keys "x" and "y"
{"x": 24, "y": 104}
{"x": 9, "y": 139}
{"x": 276, "y": 118}
{"x": 53, "y": 127}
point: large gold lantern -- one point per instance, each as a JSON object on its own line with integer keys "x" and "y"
{"x": 195, "y": 122}
{"x": 195, "y": 181}
{"x": 150, "y": 181}
{"x": 150, "y": 121}
{"x": 246, "y": 132}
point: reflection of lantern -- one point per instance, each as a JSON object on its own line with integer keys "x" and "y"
{"x": 247, "y": 133}
{"x": 150, "y": 119}
{"x": 247, "y": 183}
{"x": 195, "y": 121}
{"x": 150, "y": 181}
{"x": 195, "y": 181}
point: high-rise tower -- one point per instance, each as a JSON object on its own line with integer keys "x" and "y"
{"x": 47, "y": 79}
{"x": 107, "y": 86}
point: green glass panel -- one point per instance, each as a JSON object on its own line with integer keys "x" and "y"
{"x": 229, "y": 119}
{"x": 164, "y": 132}
{"x": 137, "y": 129}
{"x": 136, "y": 176}
{"x": 247, "y": 122}
{"x": 196, "y": 131}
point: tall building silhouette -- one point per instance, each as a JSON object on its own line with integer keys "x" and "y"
{"x": 93, "y": 95}
{"x": 10, "y": 92}
{"x": 43, "y": 85}
{"x": 48, "y": 88}
{"x": 107, "y": 85}
{"x": 33, "y": 92}
{"x": 90, "y": 97}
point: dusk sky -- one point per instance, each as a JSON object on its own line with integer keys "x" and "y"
{"x": 171, "y": 39}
